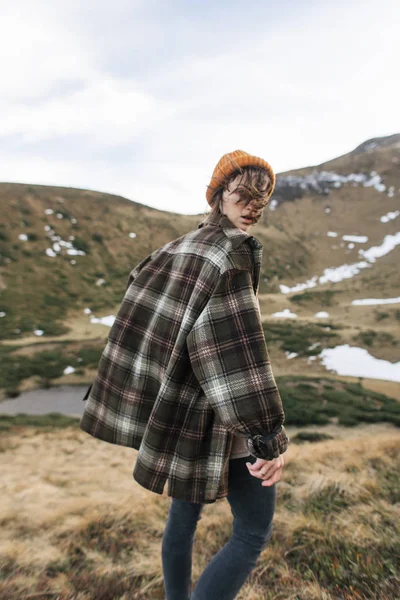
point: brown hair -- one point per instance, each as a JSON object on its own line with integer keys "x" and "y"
{"x": 255, "y": 184}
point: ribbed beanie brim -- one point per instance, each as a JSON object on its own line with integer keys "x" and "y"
{"x": 233, "y": 161}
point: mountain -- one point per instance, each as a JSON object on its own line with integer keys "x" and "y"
{"x": 330, "y": 237}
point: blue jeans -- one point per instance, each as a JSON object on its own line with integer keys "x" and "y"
{"x": 252, "y": 507}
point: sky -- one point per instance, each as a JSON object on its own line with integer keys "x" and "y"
{"x": 141, "y": 98}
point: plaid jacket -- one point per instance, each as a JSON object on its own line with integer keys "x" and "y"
{"x": 186, "y": 365}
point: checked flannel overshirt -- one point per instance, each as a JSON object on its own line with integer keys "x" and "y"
{"x": 186, "y": 365}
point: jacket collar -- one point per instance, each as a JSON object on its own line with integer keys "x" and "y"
{"x": 237, "y": 236}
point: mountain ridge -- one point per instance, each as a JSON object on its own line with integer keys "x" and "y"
{"x": 65, "y": 250}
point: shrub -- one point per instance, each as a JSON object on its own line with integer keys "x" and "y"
{"x": 323, "y": 298}
{"x": 310, "y": 436}
{"x": 379, "y": 316}
{"x": 97, "y": 237}
{"x": 81, "y": 244}
{"x": 295, "y": 337}
{"x": 49, "y": 420}
{"x": 313, "y": 401}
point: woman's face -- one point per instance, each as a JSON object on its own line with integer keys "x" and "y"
{"x": 238, "y": 213}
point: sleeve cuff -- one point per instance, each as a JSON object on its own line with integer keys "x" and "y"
{"x": 269, "y": 446}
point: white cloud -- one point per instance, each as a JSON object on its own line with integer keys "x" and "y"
{"x": 39, "y": 57}
{"x": 150, "y": 96}
{"x": 107, "y": 110}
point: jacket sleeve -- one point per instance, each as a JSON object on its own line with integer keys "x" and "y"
{"x": 229, "y": 357}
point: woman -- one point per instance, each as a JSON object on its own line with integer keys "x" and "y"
{"x": 185, "y": 378}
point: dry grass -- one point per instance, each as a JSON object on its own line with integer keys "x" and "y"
{"x": 76, "y": 525}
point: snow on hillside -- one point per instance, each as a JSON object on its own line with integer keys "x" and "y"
{"x": 336, "y": 274}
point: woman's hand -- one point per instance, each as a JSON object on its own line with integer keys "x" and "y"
{"x": 269, "y": 471}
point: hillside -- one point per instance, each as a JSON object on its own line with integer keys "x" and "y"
{"x": 330, "y": 238}
{"x": 96, "y": 533}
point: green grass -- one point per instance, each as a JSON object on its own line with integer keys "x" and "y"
{"x": 295, "y": 337}
{"x": 369, "y": 337}
{"x": 45, "y": 365}
{"x": 48, "y": 421}
{"x": 323, "y": 298}
{"x": 309, "y": 401}
{"x": 380, "y": 315}
{"x": 310, "y": 436}
{"x": 342, "y": 565}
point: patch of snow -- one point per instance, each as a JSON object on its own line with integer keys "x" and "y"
{"x": 321, "y": 315}
{"x": 315, "y": 345}
{"x": 389, "y": 242}
{"x": 50, "y": 252}
{"x": 332, "y": 234}
{"x": 290, "y": 355}
{"x": 360, "y": 239}
{"x": 286, "y": 313}
{"x": 327, "y": 210}
{"x": 56, "y": 247}
{"x": 73, "y": 262}
{"x": 2, "y": 314}
{"x": 68, "y": 370}
{"x": 373, "y": 301}
{"x": 47, "y": 227}
{"x": 59, "y": 216}
{"x": 390, "y": 216}
{"x": 48, "y": 211}
{"x": 109, "y": 320}
{"x": 75, "y": 252}
{"x": 132, "y": 235}
{"x": 299, "y": 287}
{"x": 87, "y": 311}
{"x": 357, "y": 362}
{"x": 38, "y": 332}
{"x": 321, "y": 181}
{"x": 100, "y": 281}
{"x": 350, "y": 246}
{"x": 335, "y": 274}
{"x": 273, "y": 204}
{"x": 23, "y": 237}
{"x": 73, "y": 220}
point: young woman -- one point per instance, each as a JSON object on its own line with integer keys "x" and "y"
{"x": 185, "y": 378}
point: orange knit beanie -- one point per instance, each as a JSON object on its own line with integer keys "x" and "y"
{"x": 234, "y": 161}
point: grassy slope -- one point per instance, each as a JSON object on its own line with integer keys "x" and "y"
{"x": 37, "y": 291}
{"x": 96, "y": 534}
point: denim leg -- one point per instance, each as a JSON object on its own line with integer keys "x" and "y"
{"x": 176, "y": 548}
{"x": 252, "y": 507}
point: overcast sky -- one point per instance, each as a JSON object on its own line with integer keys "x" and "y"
{"x": 142, "y": 97}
